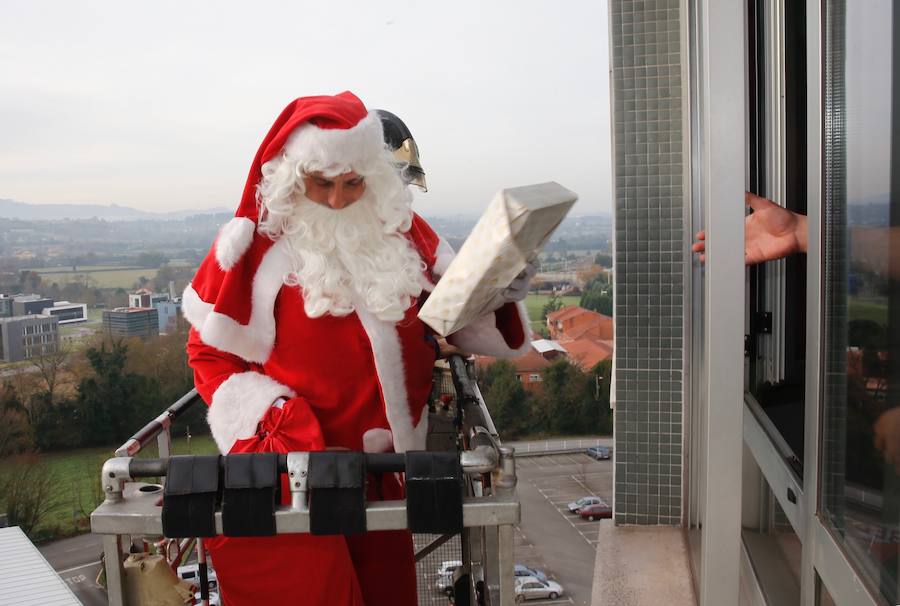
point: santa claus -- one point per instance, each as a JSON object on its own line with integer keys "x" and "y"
{"x": 305, "y": 337}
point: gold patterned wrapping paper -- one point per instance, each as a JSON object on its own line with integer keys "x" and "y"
{"x": 511, "y": 232}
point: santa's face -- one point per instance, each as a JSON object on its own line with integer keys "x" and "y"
{"x": 337, "y": 192}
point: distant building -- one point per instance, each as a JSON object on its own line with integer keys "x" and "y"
{"x": 550, "y": 350}
{"x": 573, "y": 322}
{"x": 126, "y": 322}
{"x": 168, "y": 315}
{"x": 68, "y": 313}
{"x": 588, "y": 352}
{"x": 24, "y": 337}
{"x": 146, "y": 298}
{"x": 528, "y": 367}
{"x": 25, "y": 305}
{"x": 6, "y": 306}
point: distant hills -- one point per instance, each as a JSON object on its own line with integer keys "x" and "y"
{"x": 10, "y": 209}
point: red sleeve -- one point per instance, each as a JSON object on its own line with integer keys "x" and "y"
{"x": 211, "y": 366}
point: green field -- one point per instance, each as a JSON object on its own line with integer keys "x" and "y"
{"x": 535, "y": 305}
{"x": 80, "y": 269}
{"x": 76, "y": 478}
{"x": 104, "y": 278}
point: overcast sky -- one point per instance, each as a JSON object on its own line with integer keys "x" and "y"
{"x": 161, "y": 106}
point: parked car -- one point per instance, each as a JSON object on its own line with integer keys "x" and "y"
{"x": 191, "y": 574}
{"x": 445, "y": 571}
{"x": 596, "y": 511}
{"x": 524, "y": 571}
{"x": 213, "y": 599}
{"x": 530, "y": 588}
{"x": 575, "y": 506}
{"x": 599, "y": 452}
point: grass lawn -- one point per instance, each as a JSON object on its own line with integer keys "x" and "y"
{"x": 76, "y": 480}
{"x": 535, "y": 305}
{"x": 858, "y": 309}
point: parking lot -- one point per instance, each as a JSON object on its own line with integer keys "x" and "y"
{"x": 589, "y": 478}
{"x": 549, "y": 537}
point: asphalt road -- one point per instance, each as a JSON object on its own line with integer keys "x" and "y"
{"x": 77, "y": 560}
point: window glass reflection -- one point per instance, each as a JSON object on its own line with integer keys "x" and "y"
{"x": 861, "y": 420}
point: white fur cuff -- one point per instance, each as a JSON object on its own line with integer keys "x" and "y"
{"x": 233, "y": 241}
{"x": 482, "y": 336}
{"x": 240, "y": 404}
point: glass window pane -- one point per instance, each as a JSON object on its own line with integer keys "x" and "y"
{"x": 861, "y": 417}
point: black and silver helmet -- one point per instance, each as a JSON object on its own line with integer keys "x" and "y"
{"x": 406, "y": 152}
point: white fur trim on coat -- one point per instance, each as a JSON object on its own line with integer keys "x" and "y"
{"x": 387, "y": 350}
{"x": 334, "y": 150}
{"x": 239, "y": 404}
{"x": 442, "y": 257}
{"x": 482, "y": 337}
{"x": 252, "y": 341}
{"x": 233, "y": 241}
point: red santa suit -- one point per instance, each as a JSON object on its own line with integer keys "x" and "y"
{"x": 352, "y": 381}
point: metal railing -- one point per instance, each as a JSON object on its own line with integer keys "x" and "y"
{"x": 490, "y": 506}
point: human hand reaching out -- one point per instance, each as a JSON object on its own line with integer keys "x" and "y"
{"x": 770, "y": 232}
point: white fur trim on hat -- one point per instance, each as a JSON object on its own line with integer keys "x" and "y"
{"x": 239, "y": 404}
{"x": 377, "y": 440}
{"x": 334, "y": 151}
{"x": 482, "y": 336}
{"x": 388, "y": 353}
{"x": 252, "y": 341}
{"x": 233, "y": 241}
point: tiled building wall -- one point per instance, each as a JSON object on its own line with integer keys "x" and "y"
{"x": 649, "y": 211}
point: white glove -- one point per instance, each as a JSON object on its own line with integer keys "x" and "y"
{"x": 518, "y": 288}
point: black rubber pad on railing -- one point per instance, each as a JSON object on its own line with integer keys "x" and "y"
{"x": 250, "y": 495}
{"x": 434, "y": 489}
{"x": 337, "y": 485}
{"x": 191, "y": 496}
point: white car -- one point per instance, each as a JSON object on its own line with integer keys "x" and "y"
{"x": 191, "y": 574}
{"x": 575, "y": 506}
{"x": 532, "y": 588}
{"x": 445, "y": 571}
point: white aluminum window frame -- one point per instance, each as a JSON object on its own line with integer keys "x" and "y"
{"x": 823, "y": 559}
{"x": 717, "y": 329}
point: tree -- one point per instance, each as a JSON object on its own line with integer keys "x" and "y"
{"x": 568, "y": 402}
{"x": 27, "y": 488}
{"x": 603, "y": 259}
{"x": 15, "y": 436}
{"x": 50, "y": 368}
{"x": 152, "y": 259}
{"x": 506, "y": 399}
{"x": 114, "y": 402}
{"x": 554, "y": 304}
{"x": 597, "y": 296}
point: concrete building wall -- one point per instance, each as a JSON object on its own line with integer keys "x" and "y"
{"x": 648, "y": 106}
{"x": 131, "y": 322}
{"x": 25, "y": 337}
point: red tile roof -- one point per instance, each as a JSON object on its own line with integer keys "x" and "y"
{"x": 588, "y": 352}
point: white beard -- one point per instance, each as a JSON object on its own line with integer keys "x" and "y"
{"x": 347, "y": 259}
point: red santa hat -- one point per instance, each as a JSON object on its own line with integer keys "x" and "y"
{"x": 230, "y": 299}
{"x": 331, "y": 134}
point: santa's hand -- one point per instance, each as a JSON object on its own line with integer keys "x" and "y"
{"x": 288, "y": 426}
{"x": 519, "y": 287}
